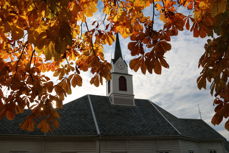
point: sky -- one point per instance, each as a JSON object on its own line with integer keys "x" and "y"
{"x": 175, "y": 89}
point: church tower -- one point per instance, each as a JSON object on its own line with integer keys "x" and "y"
{"x": 120, "y": 87}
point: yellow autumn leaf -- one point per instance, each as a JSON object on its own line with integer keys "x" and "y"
{"x": 204, "y": 5}
{"x": 49, "y": 50}
{"x": 91, "y": 9}
{"x": 76, "y": 80}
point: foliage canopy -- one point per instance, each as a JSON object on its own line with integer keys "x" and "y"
{"x": 38, "y": 36}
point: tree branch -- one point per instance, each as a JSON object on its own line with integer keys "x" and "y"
{"x": 31, "y": 58}
{"x": 92, "y": 46}
{"x": 153, "y": 14}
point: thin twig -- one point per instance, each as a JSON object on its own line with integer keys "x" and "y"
{"x": 163, "y": 3}
{"x": 19, "y": 60}
{"x": 81, "y": 29}
{"x": 104, "y": 18}
{"x": 67, "y": 60}
{"x": 86, "y": 26}
{"x": 18, "y": 63}
{"x": 31, "y": 58}
{"x": 153, "y": 14}
{"x": 91, "y": 39}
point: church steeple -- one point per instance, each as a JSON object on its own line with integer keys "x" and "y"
{"x": 118, "y": 51}
{"x": 120, "y": 87}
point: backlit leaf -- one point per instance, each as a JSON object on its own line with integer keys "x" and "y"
{"x": 157, "y": 67}
{"x": 10, "y": 115}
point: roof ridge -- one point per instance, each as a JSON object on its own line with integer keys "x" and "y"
{"x": 213, "y": 130}
{"x": 93, "y": 115}
{"x": 163, "y": 110}
{"x": 166, "y": 119}
{"x": 190, "y": 119}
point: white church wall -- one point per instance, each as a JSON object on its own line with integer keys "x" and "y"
{"x": 115, "y": 84}
{"x": 110, "y": 146}
{"x": 29, "y": 146}
{"x": 186, "y": 146}
{"x": 171, "y": 145}
{"x": 205, "y": 147}
{"x": 70, "y": 146}
{"x": 141, "y": 146}
{"x": 48, "y": 146}
{"x": 201, "y": 147}
{"x": 120, "y": 64}
{"x": 113, "y": 146}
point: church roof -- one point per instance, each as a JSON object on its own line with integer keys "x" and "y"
{"x": 118, "y": 51}
{"x": 93, "y": 115}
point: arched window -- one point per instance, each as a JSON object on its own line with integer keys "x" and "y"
{"x": 122, "y": 83}
{"x": 109, "y": 86}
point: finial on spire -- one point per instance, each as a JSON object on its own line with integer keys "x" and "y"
{"x": 118, "y": 52}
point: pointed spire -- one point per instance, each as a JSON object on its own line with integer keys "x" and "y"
{"x": 118, "y": 52}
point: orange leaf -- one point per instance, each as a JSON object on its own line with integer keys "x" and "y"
{"x": 190, "y": 6}
{"x": 187, "y": 24}
{"x": 17, "y": 33}
{"x": 203, "y": 33}
{"x": 56, "y": 123}
{"x": 201, "y": 82}
{"x": 56, "y": 73}
{"x": 19, "y": 109}
{"x": 96, "y": 81}
{"x": 28, "y": 124}
{"x": 135, "y": 48}
{"x": 10, "y": 115}
{"x": 216, "y": 119}
{"x": 218, "y": 108}
{"x": 2, "y": 112}
{"x": 31, "y": 125}
{"x": 164, "y": 63}
{"x": 143, "y": 67}
{"x": 1, "y": 93}
{"x": 55, "y": 114}
{"x": 196, "y": 32}
{"x": 149, "y": 65}
{"x": 165, "y": 45}
{"x": 44, "y": 126}
{"x": 49, "y": 86}
{"x": 227, "y": 125}
{"x": 217, "y": 101}
{"x": 134, "y": 64}
{"x": 157, "y": 66}
{"x": 76, "y": 80}
{"x": 59, "y": 103}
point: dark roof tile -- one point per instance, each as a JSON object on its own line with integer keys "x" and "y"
{"x": 192, "y": 128}
{"x": 76, "y": 119}
{"x": 139, "y": 120}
